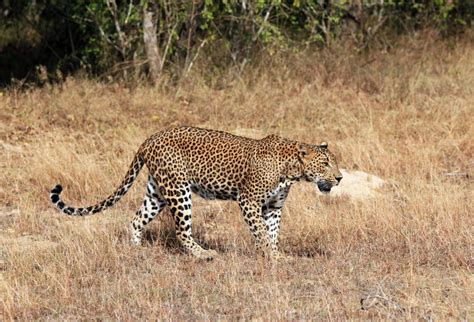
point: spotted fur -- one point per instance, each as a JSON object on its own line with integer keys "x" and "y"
{"x": 258, "y": 174}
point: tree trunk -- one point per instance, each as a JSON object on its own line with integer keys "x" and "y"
{"x": 151, "y": 45}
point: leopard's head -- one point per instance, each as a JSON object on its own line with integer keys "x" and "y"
{"x": 319, "y": 166}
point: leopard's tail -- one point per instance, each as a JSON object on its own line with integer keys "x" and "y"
{"x": 127, "y": 182}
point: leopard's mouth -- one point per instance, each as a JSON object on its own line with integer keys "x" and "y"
{"x": 324, "y": 186}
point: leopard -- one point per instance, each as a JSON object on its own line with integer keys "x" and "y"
{"x": 216, "y": 165}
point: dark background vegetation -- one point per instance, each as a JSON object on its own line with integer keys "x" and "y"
{"x": 45, "y": 40}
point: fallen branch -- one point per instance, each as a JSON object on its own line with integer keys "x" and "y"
{"x": 457, "y": 174}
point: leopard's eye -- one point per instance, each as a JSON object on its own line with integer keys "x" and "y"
{"x": 326, "y": 164}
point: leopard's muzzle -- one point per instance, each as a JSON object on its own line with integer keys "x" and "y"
{"x": 326, "y": 186}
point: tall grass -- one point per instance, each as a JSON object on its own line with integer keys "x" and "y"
{"x": 405, "y": 115}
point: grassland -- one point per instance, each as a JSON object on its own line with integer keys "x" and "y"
{"x": 405, "y": 115}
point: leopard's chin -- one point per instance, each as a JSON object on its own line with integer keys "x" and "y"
{"x": 324, "y": 186}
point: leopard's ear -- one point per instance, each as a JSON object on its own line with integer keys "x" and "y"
{"x": 324, "y": 145}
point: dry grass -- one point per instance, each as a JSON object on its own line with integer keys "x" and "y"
{"x": 406, "y": 116}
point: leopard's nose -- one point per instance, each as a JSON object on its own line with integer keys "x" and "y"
{"x": 338, "y": 178}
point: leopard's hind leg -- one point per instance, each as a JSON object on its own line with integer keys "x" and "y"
{"x": 178, "y": 197}
{"x": 153, "y": 204}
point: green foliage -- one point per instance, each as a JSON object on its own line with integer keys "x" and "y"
{"x": 112, "y": 33}
{"x": 106, "y": 36}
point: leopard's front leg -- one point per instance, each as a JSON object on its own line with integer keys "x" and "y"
{"x": 271, "y": 212}
{"x": 252, "y": 213}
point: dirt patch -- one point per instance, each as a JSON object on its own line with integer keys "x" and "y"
{"x": 358, "y": 185}
{"x": 28, "y": 243}
{"x": 10, "y": 242}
